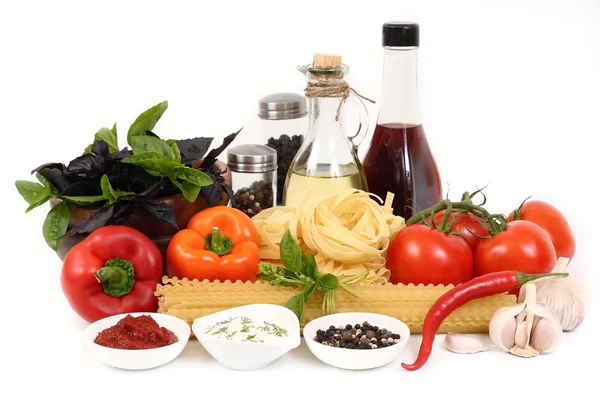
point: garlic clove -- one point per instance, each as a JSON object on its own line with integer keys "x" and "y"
{"x": 567, "y": 298}
{"x": 500, "y": 319}
{"x": 545, "y": 336}
{"x": 508, "y": 333}
{"x": 459, "y": 343}
{"x": 521, "y": 335}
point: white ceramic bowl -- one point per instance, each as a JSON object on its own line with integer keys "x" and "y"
{"x": 239, "y": 355}
{"x": 143, "y": 358}
{"x": 355, "y": 359}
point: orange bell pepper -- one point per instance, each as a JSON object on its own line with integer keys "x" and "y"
{"x": 220, "y": 243}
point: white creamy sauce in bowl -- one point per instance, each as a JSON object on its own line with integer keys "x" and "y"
{"x": 245, "y": 329}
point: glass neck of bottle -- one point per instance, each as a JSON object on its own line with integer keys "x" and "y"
{"x": 399, "y": 96}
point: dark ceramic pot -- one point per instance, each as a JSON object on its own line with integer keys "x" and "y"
{"x": 160, "y": 232}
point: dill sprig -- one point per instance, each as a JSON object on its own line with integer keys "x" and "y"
{"x": 220, "y": 331}
{"x": 226, "y": 321}
{"x": 230, "y": 336}
{"x": 275, "y": 329}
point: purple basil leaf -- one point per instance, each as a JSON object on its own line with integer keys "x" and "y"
{"x": 60, "y": 178}
{"x": 230, "y": 193}
{"x": 100, "y": 147}
{"x": 123, "y": 210}
{"x": 120, "y": 155}
{"x": 211, "y": 157}
{"x": 57, "y": 166}
{"x": 92, "y": 222}
{"x": 86, "y": 164}
{"x": 153, "y": 189}
{"x": 161, "y": 211}
{"x": 83, "y": 188}
{"x": 193, "y": 149}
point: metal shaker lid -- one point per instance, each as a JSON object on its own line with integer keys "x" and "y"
{"x": 252, "y": 158}
{"x": 281, "y": 106}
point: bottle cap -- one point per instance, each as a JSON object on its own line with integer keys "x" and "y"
{"x": 279, "y": 106}
{"x": 400, "y": 34}
{"x": 252, "y": 158}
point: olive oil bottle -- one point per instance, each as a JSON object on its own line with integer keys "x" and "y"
{"x": 327, "y": 162}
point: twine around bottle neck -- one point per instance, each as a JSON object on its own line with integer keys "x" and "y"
{"x": 332, "y": 89}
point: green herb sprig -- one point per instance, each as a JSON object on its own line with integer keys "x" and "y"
{"x": 300, "y": 270}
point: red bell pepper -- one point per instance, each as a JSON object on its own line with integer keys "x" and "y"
{"x": 113, "y": 271}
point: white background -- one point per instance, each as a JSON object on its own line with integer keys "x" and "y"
{"x": 510, "y": 98}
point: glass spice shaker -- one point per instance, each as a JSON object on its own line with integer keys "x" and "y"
{"x": 253, "y": 176}
{"x": 283, "y": 121}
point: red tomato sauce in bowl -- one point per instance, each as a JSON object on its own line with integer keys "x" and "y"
{"x": 135, "y": 333}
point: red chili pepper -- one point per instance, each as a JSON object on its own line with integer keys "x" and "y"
{"x": 114, "y": 270}
{"x": 479, "y": 287}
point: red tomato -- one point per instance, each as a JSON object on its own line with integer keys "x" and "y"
{"x": 552, "y": 221}
{"x": 523, "y": 246}
{"x": 421, "y": 254}
{"x": 464, "y": 224}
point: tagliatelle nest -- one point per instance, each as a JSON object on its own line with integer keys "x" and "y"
{"x": 348, "y": 233}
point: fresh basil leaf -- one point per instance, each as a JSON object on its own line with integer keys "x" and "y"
{"x": 88, "y": 149}
{"x": 35, "y": 194}
{"x": 308, "y": 291}
{"x": 107, "y": 190}
{"x": 189, "y": 190}
{"x": 143, "y": 144}
{"x": 32, "y": 192}
{"x": 174, "y": 150}
{"x": 56, "y": 224}
{"x": 92, "y": 222}
{"x": 296, "y": 305}
{"x": 84, "y": 200}
{"x": 146, "y": 121}
{"x": 44, "y": 181}
{"x": 193, "y": 176}
{"x": 114, "y": 131}
{"x": 193, "y": 149}
{"x": 111, "y": 194}
{"x": 153, "y": 162}
{"x": 290, "y": 253}
{"x": 327, "y": 282}
{"x": 161, "y": 211}
{"x": 105, "y": 134}
{"x": 311, "y": 267}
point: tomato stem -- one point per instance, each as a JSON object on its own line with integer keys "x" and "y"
{"x": 467, "y": 206}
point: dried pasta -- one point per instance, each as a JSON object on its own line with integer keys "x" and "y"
{"x": 189, "y": 300}
{"x": 348, "y": 233}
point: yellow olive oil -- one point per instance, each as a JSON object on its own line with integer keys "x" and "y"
{"x": 302, "y": 187}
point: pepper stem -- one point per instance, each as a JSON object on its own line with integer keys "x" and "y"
{"x": 525, "y": 278}
{"x": 117, "y": 277}
{"x": 218, "y": 243}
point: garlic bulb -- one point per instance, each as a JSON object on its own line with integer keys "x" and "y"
{"x": 564, "y": 296}
{"x": 526, "y": 329}
{"x": 459, "y": 343}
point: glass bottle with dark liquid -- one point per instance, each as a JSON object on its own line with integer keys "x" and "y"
{"x": 399, "y": 159}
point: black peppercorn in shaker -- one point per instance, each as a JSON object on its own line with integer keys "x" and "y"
{"x": 283, "y": 117}
{"x": 254, "y": 177}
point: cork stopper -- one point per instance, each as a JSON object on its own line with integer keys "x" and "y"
{"x": 327, "y": 61}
